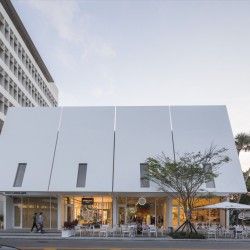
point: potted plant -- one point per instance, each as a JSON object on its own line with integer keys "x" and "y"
{"x": 68, "y": 229}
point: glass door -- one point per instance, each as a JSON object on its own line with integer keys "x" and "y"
{"x": 17, "y": 216}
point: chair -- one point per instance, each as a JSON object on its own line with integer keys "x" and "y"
{"x": 239, "y": 233}
{"x": 93, "y": 231}
{"x": 162, "y": 230}
{"x": 132, "y": 230}
{"x": 246, "y": 232}
{"x": 125, "y": 230}
{"x": 78, "y": 230}
{"x": 211, "y": 232}
{"x": 103, "y": 231}
{"x": 228, "y": 233}
{"x": 152, "y": 230}
{"x": 145, "y": 229}
{"x": 115, "y": 231}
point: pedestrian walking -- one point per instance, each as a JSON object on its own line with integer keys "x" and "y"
{"x": 34, "y": 218}
{"x": 40, "y": 221}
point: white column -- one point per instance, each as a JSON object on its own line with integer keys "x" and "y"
{"x": 114, "y": 211}
{"x": 227, "y": 215}
{"x": 169, "y": 212}
{"x": 8, "y": 212}
{"x": 59, "y": 212}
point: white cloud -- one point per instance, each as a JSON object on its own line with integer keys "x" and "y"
{"x": 62, "y": 17}
{"x": 72, "y": 25}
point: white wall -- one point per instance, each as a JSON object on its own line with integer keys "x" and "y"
{"x": 29, "y": 136}
{"x": 196, "y": 128}
{"x": 141, "y": 132}
{"x": 86, "y": 136}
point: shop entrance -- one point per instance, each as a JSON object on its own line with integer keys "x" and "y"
{"x": 140, "y": 210}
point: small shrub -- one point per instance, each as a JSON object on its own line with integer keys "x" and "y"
{"x": 70, "y": 224}
{"x": 185, "y": 235}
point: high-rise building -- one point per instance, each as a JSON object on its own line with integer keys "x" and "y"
{"x": 24, "y": 77}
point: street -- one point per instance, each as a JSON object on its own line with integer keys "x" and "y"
{"x": 65, "y": 244}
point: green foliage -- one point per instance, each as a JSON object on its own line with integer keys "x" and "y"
{"x": 242, "y": 142}
{"x": 248, "y": 184}
{"x": 185, "y": 175}
{"x": 185, "y": 235}
{"x": 245, "y": 199}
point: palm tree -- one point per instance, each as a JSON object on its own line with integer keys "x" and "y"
{"x": 242, "y": 142}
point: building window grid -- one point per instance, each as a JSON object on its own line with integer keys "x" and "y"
{"x": 14, "y": 70}
{"x": 28, "y": 64}
{"x": 10, "y": 86}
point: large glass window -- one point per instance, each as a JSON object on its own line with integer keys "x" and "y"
{"x": 88, "y": 210}
{"x": 131, "y": 210}
{"x": 198, "y": 215}
{"x": 46, "y": 205}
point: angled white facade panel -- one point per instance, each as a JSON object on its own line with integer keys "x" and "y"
{"x": 141, "y": 132}
{"x": 110, "y": 144}
{"x": 29, "y": 136}
{"x": 86, "y": 136}
{"x": 196, "y": 128}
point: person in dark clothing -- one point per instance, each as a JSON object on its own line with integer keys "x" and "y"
{"x": 34, "y": 222}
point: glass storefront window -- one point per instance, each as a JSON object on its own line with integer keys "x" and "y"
{"x": 46, "y": 205}
{"x": 199, "y": 215}
{"x": 152, "y": 212}
{"x": 97, "y": 212}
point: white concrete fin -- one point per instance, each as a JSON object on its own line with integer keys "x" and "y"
{"x": 28, "y": 136}
{"x": 85, "y": 136}
{"x": 196, "y": 128}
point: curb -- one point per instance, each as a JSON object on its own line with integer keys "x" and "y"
{"x": 117, "y": 239}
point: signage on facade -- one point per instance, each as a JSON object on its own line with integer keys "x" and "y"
{"x": 15, "y": 193}
{"x": 87, "y": 201}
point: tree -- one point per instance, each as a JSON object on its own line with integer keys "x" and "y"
{"x": 183, "y": 177}
{"x": 242, "y": 142}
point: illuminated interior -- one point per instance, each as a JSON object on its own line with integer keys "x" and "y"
{"x": 98, "y": 212}
{"x": 198, "y": 215}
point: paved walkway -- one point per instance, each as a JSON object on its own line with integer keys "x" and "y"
{"x": 97, "y": 244}
{"x": 56, "y": 235}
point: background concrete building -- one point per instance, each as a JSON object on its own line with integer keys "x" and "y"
{"x": 61, "y": 159}
{"x": 24, "y": 78}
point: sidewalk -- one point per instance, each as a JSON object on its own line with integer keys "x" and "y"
{"x": 56, "y": 235}
{"x": 25, "y": 233}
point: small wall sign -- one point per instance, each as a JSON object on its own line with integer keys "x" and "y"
{"x": 87, "y": 201}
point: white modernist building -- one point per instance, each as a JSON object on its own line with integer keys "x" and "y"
{"x": 24, "y": 78}
{"x": 88, "y": 163}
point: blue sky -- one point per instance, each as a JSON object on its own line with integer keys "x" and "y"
{"x": 146, "y": 52}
